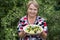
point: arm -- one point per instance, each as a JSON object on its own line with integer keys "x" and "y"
{"x": 44, "y": 26}
{"x": 21, "y": 33}
{"x": 44, "y": 33}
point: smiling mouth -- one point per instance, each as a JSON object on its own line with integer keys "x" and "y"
{"x": 32, "y": 13}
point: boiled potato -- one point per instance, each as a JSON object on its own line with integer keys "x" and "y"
{"x": 31, "y": 32}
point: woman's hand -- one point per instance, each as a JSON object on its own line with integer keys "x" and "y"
{"x": 22, "y": 34}
{"x": 43, "y": 35}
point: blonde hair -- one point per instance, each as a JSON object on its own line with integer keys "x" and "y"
{"x": 34, "y": 2}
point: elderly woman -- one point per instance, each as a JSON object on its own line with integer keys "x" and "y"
{"x": 32, "y": 18}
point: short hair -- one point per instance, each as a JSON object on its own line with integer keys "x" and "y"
{"x": 34, "y": 2}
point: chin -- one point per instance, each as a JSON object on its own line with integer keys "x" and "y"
{"x": 33, "y": 15}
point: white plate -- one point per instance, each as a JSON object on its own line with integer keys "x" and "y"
{"x": 32, "y": 29}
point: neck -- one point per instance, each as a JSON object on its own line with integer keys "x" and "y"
{"x": 31, "y": 20}
{"x": 30, "y": 17}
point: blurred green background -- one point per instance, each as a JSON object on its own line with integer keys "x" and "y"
{"x": 12, "y": 10}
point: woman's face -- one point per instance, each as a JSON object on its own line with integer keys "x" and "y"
{"x": 32, "y": 10}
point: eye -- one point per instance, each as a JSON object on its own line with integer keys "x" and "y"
{"x": 35, "y": 9}
{"x": 30, "y": 8}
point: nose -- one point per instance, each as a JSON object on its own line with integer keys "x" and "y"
{"x": 32, "y": 11}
